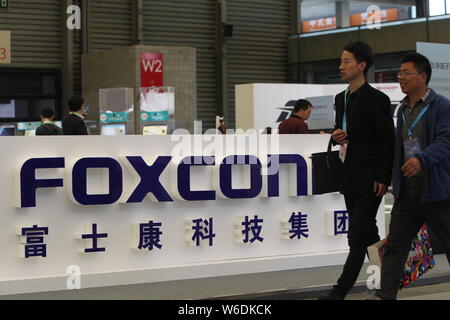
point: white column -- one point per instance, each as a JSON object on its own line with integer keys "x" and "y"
{"x": 342, "y": 14}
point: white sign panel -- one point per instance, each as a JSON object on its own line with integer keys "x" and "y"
{"x": 439, "y": 56}
{"x": 322, "y": 116}
{"x": 127, "y": 209}
{"x": 5, "y": 47}
{"x": 261, "y": 105}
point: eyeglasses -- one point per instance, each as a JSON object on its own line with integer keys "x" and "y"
{"x": 406, "y": 73}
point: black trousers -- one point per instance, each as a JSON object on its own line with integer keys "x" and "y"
{"x": 407, "y": 217}
{"x": 362, "y": 207}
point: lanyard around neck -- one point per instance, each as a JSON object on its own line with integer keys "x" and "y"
{"x": 344, "y": 119}
{"x": 411, "y": 128}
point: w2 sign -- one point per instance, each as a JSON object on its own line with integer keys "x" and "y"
{"x": 152, "y": 69}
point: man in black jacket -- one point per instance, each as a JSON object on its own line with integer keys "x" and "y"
{"x": 74, "y": 124}
{"x": 47, "y": 128}
{"x": 365, "y": 132}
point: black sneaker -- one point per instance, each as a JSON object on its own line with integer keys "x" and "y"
{"x": 333, "y": 294}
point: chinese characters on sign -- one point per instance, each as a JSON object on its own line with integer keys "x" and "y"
{"x": 364, "y": 18}
{"x": 440, "y": 65}
{"x": 34, "y": 241}
{"x": 203, "y": 230}
{"x": 337, "y": 222}
{"x": 357, "y": 19}
{"x": 319, "y": 24}
{"x": 340, "y": 222}
{"x": 299, "y": 225}
{"x": 295, "y": 225}
{"x": 94, "y": 236}
{"x": 148, "y": 235}
{"x": 252, "y": 226}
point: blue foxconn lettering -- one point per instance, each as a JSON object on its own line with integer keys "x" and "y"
{"x": 76, "y": 177}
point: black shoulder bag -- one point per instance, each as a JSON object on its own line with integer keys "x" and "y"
{"x": 327, "y": 171}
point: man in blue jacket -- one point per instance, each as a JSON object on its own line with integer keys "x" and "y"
{"x": 421, "y": 173}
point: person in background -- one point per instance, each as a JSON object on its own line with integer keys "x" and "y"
{"x": 73, "y": 124}
{"x": 47, "y": 128}
{"x": 421, "y": 176}
{"x": 365, "y": 132}
{"x": 296, "y": 124}
{"x": 222, "y": 127}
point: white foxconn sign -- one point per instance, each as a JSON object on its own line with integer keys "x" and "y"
{"x": 134, "y": 209}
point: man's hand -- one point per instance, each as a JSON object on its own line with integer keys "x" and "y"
{"x": 339, "y": 136}
{"x": 379, "y": 189}
{"x": 411, "y": 167}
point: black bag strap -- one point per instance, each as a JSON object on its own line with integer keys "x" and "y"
{"x": 330, "y": 143}
{"x": 329, "y": 153}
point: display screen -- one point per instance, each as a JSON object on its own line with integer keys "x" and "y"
{"x": 25, "y": 108}
{"x": 7, "y": 108}
{"x": 322, "y": 114}
{"x": 113, "y": 130}
{"x": 7, "y": 130}
{"x": 24, "y": 92}
{"x": 28, "y": 125}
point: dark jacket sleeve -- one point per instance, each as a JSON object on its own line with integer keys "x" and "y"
{"x": 385, "y": 132}
{"x": 337, "y": 115}
{"x": 81, "y": 129}
{"x": 439, "y": 150}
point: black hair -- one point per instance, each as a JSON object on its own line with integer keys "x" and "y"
{"x": 302, "y": 104}
{"x": 421, "y": 63}
{"x": 47, "y": 113}
{"x": 75, "y": 103}
{"x": 362, "y": 53}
